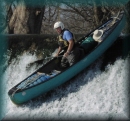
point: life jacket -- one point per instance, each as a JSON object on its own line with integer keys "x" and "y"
{"x": 64, "y": 43}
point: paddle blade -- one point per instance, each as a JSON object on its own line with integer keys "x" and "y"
{"x": 37, "y": 62}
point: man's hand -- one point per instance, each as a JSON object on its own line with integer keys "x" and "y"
{"x": 57, "y": 51}
{"x": 55, "y": 55}
{"x": 66, "y": 54}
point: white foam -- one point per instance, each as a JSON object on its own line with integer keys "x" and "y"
{"x": 92, "y": 94}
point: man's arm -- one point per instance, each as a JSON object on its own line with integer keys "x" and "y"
{"x": 71, "y": 44}
{"x": 59, "y": 50}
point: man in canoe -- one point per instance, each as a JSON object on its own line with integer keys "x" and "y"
{"x": 66, "y": 40}
{"x": 97, "y": 35}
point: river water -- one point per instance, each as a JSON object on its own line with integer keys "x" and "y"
{"x": 92, "y": 94}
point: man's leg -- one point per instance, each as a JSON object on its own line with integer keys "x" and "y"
{"x": 74, "y": 56}
{"x": 64, "y": 62}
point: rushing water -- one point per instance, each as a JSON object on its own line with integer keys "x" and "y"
{"x": 91, "y": 94}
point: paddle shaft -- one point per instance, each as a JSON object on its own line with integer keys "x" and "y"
{"x": 41, "y": 60}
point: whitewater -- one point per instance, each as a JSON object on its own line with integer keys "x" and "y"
{"x": 92, "y": 94}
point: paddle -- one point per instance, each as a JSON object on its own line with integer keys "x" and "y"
{"x": 41, "y": 61}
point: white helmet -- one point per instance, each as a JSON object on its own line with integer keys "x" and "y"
{"x": 59, "y": 24}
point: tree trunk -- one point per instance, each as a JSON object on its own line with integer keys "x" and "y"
{"x": 18, "y": 18}
{"x": 35, "y": 19}
{"x": 128, "y": 17}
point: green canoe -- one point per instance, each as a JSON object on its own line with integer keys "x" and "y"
{"x": 50, "y": 77}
